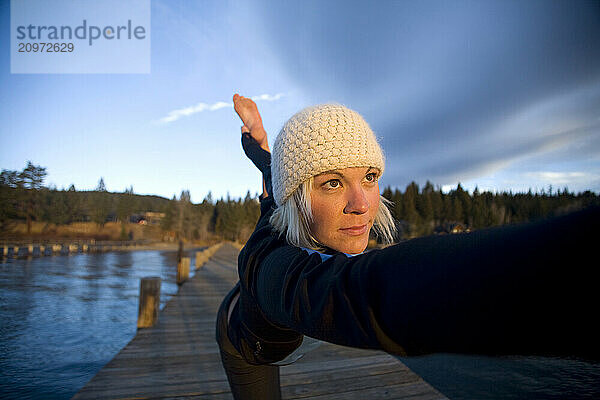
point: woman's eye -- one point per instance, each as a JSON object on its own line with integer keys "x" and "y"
{"x": 332, "y": 184}
{"x": 372, "y": 177}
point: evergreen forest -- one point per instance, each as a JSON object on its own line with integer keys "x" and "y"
{"x": 418, "y": 210}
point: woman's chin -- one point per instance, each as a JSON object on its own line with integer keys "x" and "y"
{"x": 350, "y": 246}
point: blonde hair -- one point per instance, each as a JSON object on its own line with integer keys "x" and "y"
{"x": 293, "y": 218}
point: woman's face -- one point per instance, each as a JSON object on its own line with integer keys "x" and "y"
{"x": 344, "y": 204}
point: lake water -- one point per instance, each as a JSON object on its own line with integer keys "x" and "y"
{"x": 476, "y": 377}
{"x": 62, "y": 318}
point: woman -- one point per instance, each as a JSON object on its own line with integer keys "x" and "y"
{"x": 512, "y": 290}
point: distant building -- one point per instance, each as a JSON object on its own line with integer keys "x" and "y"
{"x": 451, "y": 227}
{"x": 137, "y": 219}
{"x": 459, "y": 228}
{"x": 112, "y": 217}
{"x": 153, "y": 218}
{"x": 147, "y": 218}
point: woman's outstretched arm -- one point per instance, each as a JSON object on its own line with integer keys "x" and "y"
{"x": 253, "y": 128}
{"x": 522, "y": 289}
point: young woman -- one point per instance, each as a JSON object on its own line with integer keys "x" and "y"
{"x": 526, "y": 289}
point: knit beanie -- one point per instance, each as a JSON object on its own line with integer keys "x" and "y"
{"x": 318, "y": 139}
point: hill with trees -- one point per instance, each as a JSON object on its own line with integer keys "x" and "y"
{"x": 427, "y": 210}
{"x": 419, "y": 211}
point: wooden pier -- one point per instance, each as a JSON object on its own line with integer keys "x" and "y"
{"x": 21, "y": 249}
{"x": 179, "y": 358}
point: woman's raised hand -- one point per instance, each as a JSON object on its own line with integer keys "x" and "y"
{"x": 248, "y": 113}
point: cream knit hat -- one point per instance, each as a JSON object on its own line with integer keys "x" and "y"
{"x": 318, "y": 139}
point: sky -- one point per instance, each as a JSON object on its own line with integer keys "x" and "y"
{"x": 499, "y": 95}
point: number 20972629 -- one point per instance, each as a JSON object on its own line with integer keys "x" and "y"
{"x": 46, "y": 47}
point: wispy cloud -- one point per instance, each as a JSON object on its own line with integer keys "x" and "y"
{"x": 560, "y": 178}
{"x": 267, "y": 97}
{"x": 200, "y": 107}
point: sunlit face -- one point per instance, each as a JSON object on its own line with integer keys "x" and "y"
{"x": 344, "y": 203}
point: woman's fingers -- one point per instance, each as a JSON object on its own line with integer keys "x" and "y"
{"x": 247, "y": 111}
{"x": 240, "y": 107}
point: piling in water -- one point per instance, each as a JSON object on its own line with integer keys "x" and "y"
{"x": 183, "y": 270}
{"x": 149, "y": 302}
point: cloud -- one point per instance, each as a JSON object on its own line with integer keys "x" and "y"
{"x": 573, "y": 180}
{"x": 454, "y": 91}
{"x": 559, "y": 129}
{"x": 187, "y": 111}
{"x": 558, "y": 178}
{"x": 267, "y": 97}
{"x": 200, "y": 107}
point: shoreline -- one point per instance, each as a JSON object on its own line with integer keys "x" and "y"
{"x": 27, "y": 249}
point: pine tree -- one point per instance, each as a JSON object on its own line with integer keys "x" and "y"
{"x": 33, "y": 176}
{"x": 101, "y": 186}
{"x": 184, "y": 215}
{"x": 425, "y": 210}
{"x": 409, "y": 209}
{"x": 478, "y": 210}
{"x": 31, "y": 179}
{"x": 168, "y": 221}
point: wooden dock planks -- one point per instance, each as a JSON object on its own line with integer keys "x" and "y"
{"x": 179, "y": 358}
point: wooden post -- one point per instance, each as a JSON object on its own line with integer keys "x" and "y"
{"x": 200, "y": 259}
{"x": 183, "y": 270}
{"x": 149, "y": 302}
{"x": 180, "y": 251}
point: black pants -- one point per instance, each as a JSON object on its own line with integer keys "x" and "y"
{"x": 247, "y": 381}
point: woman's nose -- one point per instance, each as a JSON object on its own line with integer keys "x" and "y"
{"x": 356, "y": 202}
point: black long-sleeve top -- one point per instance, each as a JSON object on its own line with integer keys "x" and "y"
{"x": 519, "y": 289}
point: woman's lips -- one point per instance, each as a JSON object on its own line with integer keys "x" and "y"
{"x": 355, "y": 230}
